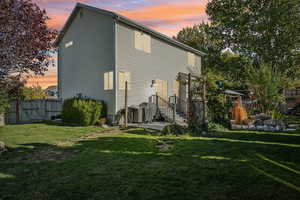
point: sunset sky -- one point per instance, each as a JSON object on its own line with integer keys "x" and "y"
{"x": 165, "y": 16}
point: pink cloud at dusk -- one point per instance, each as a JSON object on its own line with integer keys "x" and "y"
{"x": 156, "y": 16}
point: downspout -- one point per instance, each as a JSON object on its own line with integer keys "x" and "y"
{"x": 115, "y": 67}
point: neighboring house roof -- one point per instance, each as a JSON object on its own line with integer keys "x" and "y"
{"x": 127, "y": 21}
{"x": 52, "y": 87}
{"x": 51, "y": 90}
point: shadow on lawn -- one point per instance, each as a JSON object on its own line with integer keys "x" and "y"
{"x": 117, "y": 167}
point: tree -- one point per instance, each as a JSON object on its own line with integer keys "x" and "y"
{"x": 25, "y": 39}
{"x": 266, "y": 31}
{"x": 266, "y": 85}
{"x": 218, "y": 107}
{"x": 12, "y": 86}
{"x": 199, "y": 38}
{"x": 234, "y": 68}
{"x": 35, "y": 92}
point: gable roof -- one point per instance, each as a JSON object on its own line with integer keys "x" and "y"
{"x": 126, "y": 21}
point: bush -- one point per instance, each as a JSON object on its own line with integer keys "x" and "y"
{"x": 215, "y": 127}
{"x": 173, "y": 129}
{"x": 82, "y": 111}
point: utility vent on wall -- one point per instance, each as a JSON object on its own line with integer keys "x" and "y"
{"x": 68, "y": 44}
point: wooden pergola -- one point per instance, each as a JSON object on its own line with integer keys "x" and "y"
{"x": 199, "y": 90}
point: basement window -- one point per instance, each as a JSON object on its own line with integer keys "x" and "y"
{"x": 142, "y": 41}
{"x": 108, "y": 80}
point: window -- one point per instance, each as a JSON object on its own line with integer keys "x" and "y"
{"x": 142, "y": 41}
{"x": 162, "y": 91}
{"x": 68, "y": 44}
{"x": 123, "y": 77}
{"x": 108, "y": 80}
{"x": 191, "y": 59}
{"x": 176, "y": 88}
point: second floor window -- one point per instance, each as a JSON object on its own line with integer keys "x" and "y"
{"x": 142, "y": 41}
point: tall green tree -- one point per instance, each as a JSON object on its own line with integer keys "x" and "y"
{"x": 198, "y": 37}
{"x": 265, "y": 30}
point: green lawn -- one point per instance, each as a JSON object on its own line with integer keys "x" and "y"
{"x": 59, "y": 162}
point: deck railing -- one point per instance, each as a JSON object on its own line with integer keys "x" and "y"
{"x": 292, "y": 93}
{"x": 164, "y": 107}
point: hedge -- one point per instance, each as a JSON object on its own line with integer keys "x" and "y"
{"x": 83, "y": 111}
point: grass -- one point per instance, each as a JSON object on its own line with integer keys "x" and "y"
{"x": 57, "y": 162}
{"x": 18, "y": 135}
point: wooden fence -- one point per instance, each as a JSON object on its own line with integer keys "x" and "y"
{"x": 28, "y": 111}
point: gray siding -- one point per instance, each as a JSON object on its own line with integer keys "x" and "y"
{"x": 82, "y": 66}
{"x": 164, "y": 62}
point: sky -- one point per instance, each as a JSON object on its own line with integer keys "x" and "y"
{"x": 165, "y": 16}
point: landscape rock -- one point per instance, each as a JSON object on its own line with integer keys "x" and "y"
{"x": 262, "y": 117}
{"x": 293, "y": 126}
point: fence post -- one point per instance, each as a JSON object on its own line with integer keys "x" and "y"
{"x": 174, "y": 108}
{"x": 45, "y": 111}
{"x": 156, "y": 100}
{"x": 126, "y": 106}
{"x": 189, "y": 99}
{"x": 204, "y": 104}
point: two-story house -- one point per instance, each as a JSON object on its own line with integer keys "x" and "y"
{"x": 99, "y": 50}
